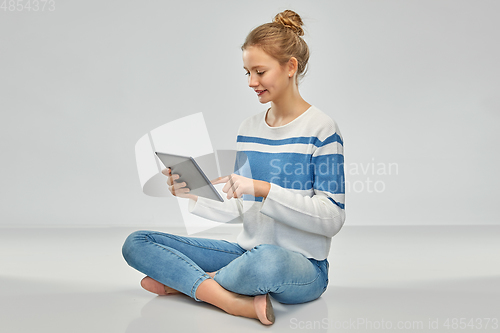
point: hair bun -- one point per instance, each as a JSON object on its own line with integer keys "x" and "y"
{"x": 291, "y": 20}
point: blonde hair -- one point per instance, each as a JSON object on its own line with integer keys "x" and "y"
{"x": 282, "y": 40}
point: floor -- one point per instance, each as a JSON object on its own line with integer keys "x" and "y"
{"x": 382, "y": 278}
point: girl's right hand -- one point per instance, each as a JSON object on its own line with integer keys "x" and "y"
{"x": 177, "y": 189}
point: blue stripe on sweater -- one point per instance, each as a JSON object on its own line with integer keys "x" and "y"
{"x": 341, "y": 205}
{"x": 293, "y": 170}
{"x": 329, "y": 173}
{"x": 295, "y": 140}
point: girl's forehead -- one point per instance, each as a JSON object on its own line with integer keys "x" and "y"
{"x": 254, "y": 55}
{"x": 255, "y": 51}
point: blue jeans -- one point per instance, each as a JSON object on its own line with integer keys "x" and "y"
{"x": 182, "y": 262}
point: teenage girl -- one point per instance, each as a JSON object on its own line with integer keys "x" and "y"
{"x": 290, "y": 190}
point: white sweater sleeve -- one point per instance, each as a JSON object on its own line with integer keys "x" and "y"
{"x": 227, "y": 211}
{"x": 316, "y": 214}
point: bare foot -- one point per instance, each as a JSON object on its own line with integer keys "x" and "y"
{"x": 156, "y": 287}
{"x": 264, "y": 309}
{"x": 258, "y": 307}
{"x": 171, "y": 291}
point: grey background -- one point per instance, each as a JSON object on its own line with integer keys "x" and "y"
{"x": 412, "y": 83}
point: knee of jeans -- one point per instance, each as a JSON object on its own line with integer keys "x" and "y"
{"x": 130, "y": 245}
{"x": 268, "y": 261}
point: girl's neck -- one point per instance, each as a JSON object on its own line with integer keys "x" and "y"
{"x": 286, "y": 109}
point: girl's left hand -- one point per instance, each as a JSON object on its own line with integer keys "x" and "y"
{"x": 237, "y": 185}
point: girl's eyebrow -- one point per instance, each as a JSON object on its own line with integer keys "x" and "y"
{"x": 253, "y": 67}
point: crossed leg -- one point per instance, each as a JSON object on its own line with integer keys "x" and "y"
{"x": 258, "y": 307}
{"x": 158, "y": 255}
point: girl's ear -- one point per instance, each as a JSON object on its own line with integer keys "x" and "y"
{"x": 293, "y": 64}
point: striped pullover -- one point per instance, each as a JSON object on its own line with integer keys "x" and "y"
{"x": 304, "y": 163}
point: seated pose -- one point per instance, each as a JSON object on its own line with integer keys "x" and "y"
{"x": 289, "y": 195}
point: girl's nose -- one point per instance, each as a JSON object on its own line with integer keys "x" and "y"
{"x": 252, "y": 81}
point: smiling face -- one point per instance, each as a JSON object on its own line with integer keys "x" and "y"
{"x": 266, "y": 76}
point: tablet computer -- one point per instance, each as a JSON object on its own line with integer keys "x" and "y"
{"x": 190, "y": 172}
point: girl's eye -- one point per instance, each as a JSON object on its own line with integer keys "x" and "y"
{"x": 257, "y": 72}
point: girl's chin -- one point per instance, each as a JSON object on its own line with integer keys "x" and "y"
{"x": 263, "y": 100}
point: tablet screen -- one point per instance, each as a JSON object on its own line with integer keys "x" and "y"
{"x": 190, "y": 172}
